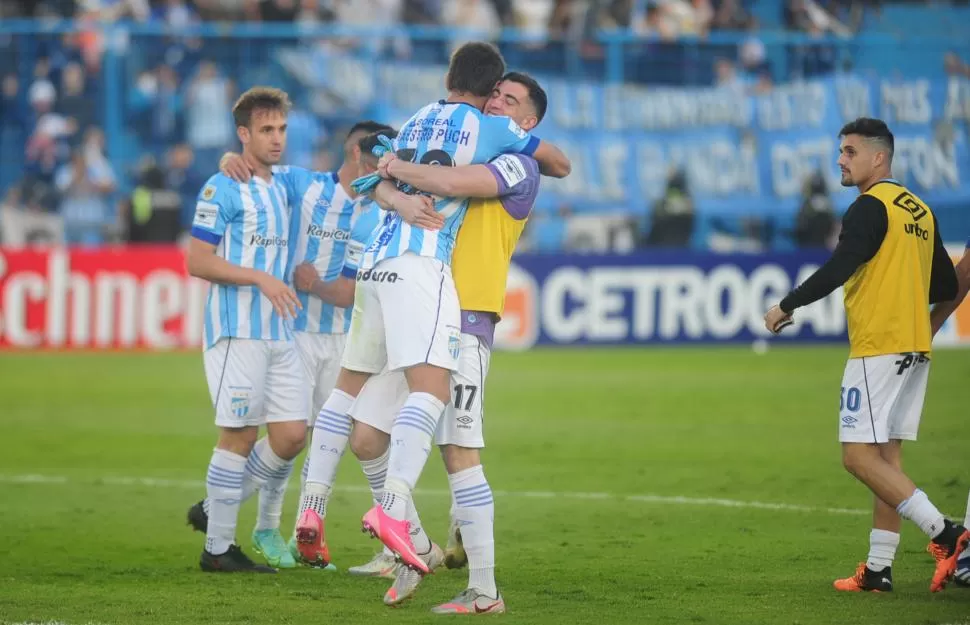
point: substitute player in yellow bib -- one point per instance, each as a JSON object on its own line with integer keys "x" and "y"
{"x": 892, "y": 262}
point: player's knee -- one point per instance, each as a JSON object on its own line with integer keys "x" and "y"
{"x": 459, "y": 458}
{"x": 855, "y": 458}
{"x": 367, "y": 443}
{"x": 288, "y": 438}
{"x": 430, "y": 379}
{"x": 239, "y": 441}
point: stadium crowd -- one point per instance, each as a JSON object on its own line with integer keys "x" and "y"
{"x": 52, "y": 96}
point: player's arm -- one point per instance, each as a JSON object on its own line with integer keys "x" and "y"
{"x": 940, "y": 281}
{"x": 416, "y": 210}
{"x": 214, "y": 211}
{"x": 511, "y": 139}
{"x": 464, "y": 181}
{"x": 942, "y": 311}
{"x": 339, "y": 292}
{"x": 294, "y": 179}
{"x": 864, "y": 227}
{"x": 943, "y": 279}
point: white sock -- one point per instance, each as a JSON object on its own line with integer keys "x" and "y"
{"x": 475, "y": 513}
{"x": 271, "y": 497}
{"x": 920, "y": 510}
{"x": 264, "y": 470}
{"x": 420, "y": 538}
{"x": 331, "y": 432}
{"x": 376, "y": 471}
{"x": 262, "y": 467}
{"x": 411, "y": 437}
{"x": 882, "y": 549}
{"x": 223, "y": 485}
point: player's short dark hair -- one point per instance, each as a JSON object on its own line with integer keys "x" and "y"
{"x": 536, "y": 93}
{"x": 874, "y": 129}
{"x": 368, "y": 127}
{"x": 475, "y": 68}
{"x": 369, "y": 142}
{"x": 259, "y": 98}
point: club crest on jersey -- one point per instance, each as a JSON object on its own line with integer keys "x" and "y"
{"x": 208, "y": 192}
{"x": 239, "y": 404}
{"x": 454, "y": 343}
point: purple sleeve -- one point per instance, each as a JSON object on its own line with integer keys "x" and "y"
{"x": 518, "y": 178}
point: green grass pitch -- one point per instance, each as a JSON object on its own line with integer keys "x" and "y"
{"x": 632, "y": 486}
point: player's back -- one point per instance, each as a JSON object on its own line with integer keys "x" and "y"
{"x": 887, "y": 298}
{"x": 249, "y": 223}
{"x": 448, "y": 134}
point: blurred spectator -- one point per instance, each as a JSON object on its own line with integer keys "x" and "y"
{"x": 13, "y": 130}
{"x": 153, "y": 211}
{"x": 175, "y": 14}
{"x": 46, "y": 147}
{"x": 953, "y": 65}
{"x": 86, "y": 184}
{"x": 156, "y": 104}
{"x": 25, "y": 223}
{"x": 186, "y": 177}
{"x": 74, "y": 103}
{"x": 208, "y": 101}
{"x": 305, "y": 137}
{"x": 815, "y": 221}
{"x": 672, "y": 223}
{"x": 752, "y": 52}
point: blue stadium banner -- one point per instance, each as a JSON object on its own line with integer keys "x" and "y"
{"x": 660, "y": 297}
{"x": 744, "y": 152}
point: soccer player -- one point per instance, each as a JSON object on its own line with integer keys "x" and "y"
{"x": 406, "y": 313}
{"x": 938, "y": 316}
{"x": 240, "y": 236}
{"x": 330, "y": 226}
{"x": 892, "y": 261}
{"x": 482, "y": 256}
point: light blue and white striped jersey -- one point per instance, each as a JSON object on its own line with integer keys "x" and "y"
{"x": 324, "y": 221}
{"x": 249, "y": 223}
{"x": 448, "y": 134}
{"x": 366, "y": 228}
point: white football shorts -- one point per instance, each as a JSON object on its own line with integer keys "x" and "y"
{"x": 882, "y": 398}
{"x": 405, "y": 313}
{"x": 253, "y": 382}
{"x": 321, "y": 354}
{"x": 463, "y": 421}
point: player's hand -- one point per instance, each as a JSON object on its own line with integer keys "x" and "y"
{"x": 235, "y": 167}
{"x": 304, "y": 277}
{"x": 283, "y": 298}
{"x": 418, "y": 210}
{"x": 776, "y": 319}
{"x": 384, "y": 163}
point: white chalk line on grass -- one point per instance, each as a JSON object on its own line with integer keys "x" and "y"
{"x": 645, "y": 498}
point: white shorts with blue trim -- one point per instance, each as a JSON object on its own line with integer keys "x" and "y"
{"x": 406, "y": 313}
{"x": 463, "y": 421}
{"x": 882, "y": 398}
{"x": 253, "y": 382}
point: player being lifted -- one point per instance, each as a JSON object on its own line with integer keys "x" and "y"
{"x": 481, "y": 260}
{"x": 891, "y": 259}
{"x": 406, "y": 313}
{"x": 240, "y": 236}
{"x": 938, "y": 316}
